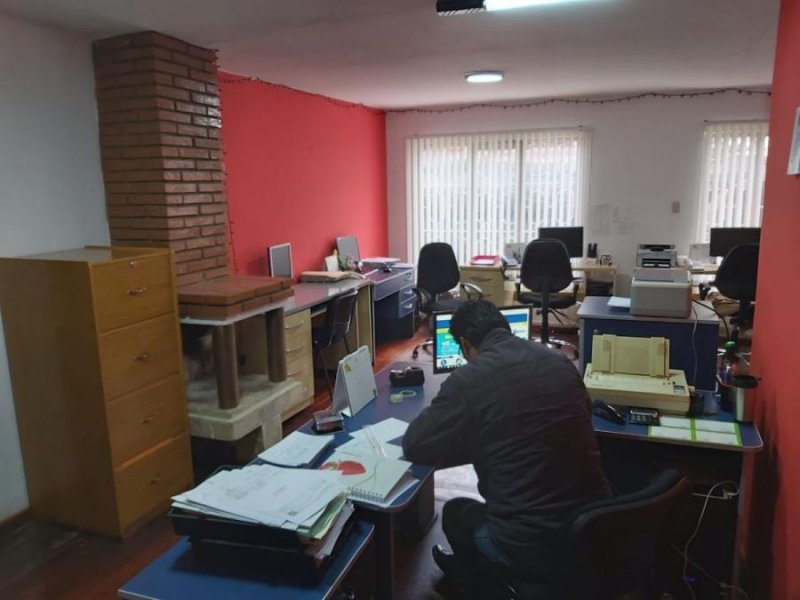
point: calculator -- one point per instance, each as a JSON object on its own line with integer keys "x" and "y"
{"x": 643, "y": 416}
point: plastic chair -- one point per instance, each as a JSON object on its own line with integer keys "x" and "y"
{"x": 338, "y": 318}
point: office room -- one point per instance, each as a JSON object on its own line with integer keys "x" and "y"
{"x": 217, "y": 131}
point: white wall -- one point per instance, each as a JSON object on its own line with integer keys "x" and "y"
{"x": 52, "y": 192}
{"x": 645, "y": 155}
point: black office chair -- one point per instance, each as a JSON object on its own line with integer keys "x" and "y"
{"x": 608, "y": 548}
{"x": 338, "y": 318}
{"x": 546, "y": 270}
{"x": 438, "y": 274}
{"x": 736, "y": 278}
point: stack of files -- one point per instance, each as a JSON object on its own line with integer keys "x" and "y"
{"x": 298, "y": 449}
{"x": 300, "y": 513}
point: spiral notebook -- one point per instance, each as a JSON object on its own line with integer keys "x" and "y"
{"x": 371, "y": 478}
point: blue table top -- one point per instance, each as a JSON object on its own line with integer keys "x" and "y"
{"x": 177, "y": 575}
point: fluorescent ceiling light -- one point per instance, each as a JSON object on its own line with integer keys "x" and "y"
{"x": 484, "y": 76}
{"x": 491, "y": 5}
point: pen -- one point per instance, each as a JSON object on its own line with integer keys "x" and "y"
{"x": 374, "y": 441}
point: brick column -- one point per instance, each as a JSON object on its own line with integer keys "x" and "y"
{"x": 158, "y": 106}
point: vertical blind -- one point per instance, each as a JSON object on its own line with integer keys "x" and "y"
{"x": 732, "y": 178}
{"x": 478, "y": 192}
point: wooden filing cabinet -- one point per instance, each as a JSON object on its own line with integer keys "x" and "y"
{"x": 299, "y": 357}
{"x": 95, "y": 356}
{"x": 489, "y": 279}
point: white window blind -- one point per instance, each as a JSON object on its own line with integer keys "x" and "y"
{"x": 478, "y": 192}
{"x": 732, "y": 177}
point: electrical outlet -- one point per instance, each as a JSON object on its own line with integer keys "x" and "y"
{"x": 676, "y": 207}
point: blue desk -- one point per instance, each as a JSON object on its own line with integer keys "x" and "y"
{"x": 177, "y": 575}
{"x": 686, "y": 336}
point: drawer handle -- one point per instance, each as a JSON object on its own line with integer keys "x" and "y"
{"x": 293, "y": 373}
{"x": 291, "y": 327}
{"x": 155, "y": 480}
{"x": 143, "y": 357}
{"x": 134, "y": 264}
{"x": 408, "y": 305}
{"x": 137, "y": 291}
{"x": 149, "y": 418}
{"x": 295, "y": 349}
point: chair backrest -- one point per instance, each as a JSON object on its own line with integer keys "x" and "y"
{"x": 545, "y": 266}
{"x": 437, "y": 268}
{"x": 609, "y": 546}
{"x": 738, "y": 273}
{"x": 338, "y": 317}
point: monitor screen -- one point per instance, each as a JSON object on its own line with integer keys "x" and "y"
{"x": 723, "y": 239}
{"x": 446, "y": 350}
{"x": 347, "y": 245}
{"x": 571, "y": 236}
{"x": 280, "y": 261}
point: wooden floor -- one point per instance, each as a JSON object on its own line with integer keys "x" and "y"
{"x": 44, "y": 561}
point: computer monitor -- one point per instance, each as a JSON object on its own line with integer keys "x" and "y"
{"x": 571, "y": 236}
{"x": 446, "y": 350}
{"x": 347, "y": 246}
{"x": 723, "y": 239}
{"x": 280, "y": 260}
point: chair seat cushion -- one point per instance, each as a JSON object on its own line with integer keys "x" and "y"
{"x": 556, "y": 300}
{"x": 445, "y": 304}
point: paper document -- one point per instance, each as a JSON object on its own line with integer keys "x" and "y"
{"x": 679, "y": 422}
{"x": 673, "y": 433}
{"x": 619, "y": 302}
{"x": 715, "y": 437}
{"x": 388, "y": 429}
{"x": 297, "y": 449}
{"x": 718, "y": 426}
{"x": 359, "y": 445}
{"x": 368, "y": 477}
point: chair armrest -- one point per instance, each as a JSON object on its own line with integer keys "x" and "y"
{"x": 703, "y": 289}
{"x": 471, "y": 290}
{"x": 575, "y": 286}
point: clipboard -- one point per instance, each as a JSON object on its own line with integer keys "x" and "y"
{"x": 355, "y": 383}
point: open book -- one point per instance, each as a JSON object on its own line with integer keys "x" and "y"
{"x": 371, "y": 478}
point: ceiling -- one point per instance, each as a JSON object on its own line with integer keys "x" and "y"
{"x": 400, "y": 53}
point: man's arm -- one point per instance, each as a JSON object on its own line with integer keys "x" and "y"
{"x": 440, "y": 435}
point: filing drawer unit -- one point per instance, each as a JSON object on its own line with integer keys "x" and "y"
{"x": 395, "y": 304}
{"x": 299, "y": 358}
{"x": 96, "y": 370}
{"x": 489, "y": 279}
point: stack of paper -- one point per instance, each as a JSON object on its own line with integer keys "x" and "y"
{"x": 296, "y": 450}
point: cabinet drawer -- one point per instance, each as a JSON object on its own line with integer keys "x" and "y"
{"x": 135, "y": 356}
{"x": 146, "y": 418}
{"x": 302, "y": 370}
{"x": 297, "y": 328}
{"x": 129, "y": 291}
{"x": 147, "y": 484}
{"x": 397, "y": 305}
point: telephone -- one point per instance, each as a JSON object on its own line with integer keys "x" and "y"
{"x": 353, "y": 275}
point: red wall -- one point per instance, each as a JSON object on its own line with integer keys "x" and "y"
{"x": 774, "y": 532}
{"x": 302, "y": 169}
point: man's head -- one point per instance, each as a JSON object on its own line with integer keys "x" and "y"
{"x": 472, "y": 321}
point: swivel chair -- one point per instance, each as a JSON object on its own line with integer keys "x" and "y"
{"x": 608, "y": 548}
{"x": 437, "y": 274}
{"x": 546, "y": 270}
{"x": 736, "y": 278}
{"x": 338, "y": 317}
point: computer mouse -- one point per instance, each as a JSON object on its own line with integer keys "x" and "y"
{"x": 387, "y": 269}
{"x": 607, "y": 412}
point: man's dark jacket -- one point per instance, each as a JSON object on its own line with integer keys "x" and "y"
{"x": 519, "y": 412}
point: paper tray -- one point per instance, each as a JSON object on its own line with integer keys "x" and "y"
{"x": 208, "y": 527}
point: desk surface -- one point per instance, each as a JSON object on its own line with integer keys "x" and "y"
{"x": 177, "y": 575}
{"x": 596, "y": 307}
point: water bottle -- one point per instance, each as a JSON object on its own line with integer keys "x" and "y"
{"x": 731, "y": 364}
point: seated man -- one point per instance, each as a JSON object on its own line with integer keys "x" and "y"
{"x": 518, "y": 411}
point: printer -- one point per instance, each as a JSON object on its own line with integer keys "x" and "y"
{"x": 662, "y": 256}
{"x": 633, "y": 371}
{"x": 661, "y": 293}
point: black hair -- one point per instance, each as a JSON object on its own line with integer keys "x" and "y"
{"x": 474, "y": 319}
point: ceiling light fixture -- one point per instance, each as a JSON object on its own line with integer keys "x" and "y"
{"x": 461, "y": 7}
{"x": 483, "y": 76}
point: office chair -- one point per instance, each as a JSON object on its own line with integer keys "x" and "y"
{"x": 608, "y": 548}
{"x": 546, "y": 270}
{"x": 736, "y": 278}
{"x": 437, "y": 274}
{"x": 338, "y": 317}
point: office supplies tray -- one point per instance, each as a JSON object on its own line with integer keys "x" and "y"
{"x": 291, "y": 564}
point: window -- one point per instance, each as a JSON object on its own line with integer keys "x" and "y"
{"x": 732, "y": 179}
{"x": 478, "y": 192}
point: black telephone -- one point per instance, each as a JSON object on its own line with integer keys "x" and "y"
{"x": 607, "y": 412}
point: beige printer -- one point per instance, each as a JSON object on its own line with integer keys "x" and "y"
{"x": 661, "y": 293}
{"x": 633, "y": 371}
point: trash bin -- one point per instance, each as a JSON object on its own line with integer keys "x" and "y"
{"x": 743, "y": 391}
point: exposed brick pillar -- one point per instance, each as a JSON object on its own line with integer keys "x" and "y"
{"x": 158, "y": 105}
